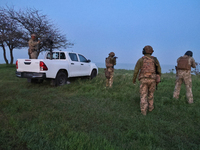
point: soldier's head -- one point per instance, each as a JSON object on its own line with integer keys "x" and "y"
{"x": 189, "y": 53}
{"x": 112, "y": 54}
{"x": 147, "y": 50}
{"x": 33, "y": 36}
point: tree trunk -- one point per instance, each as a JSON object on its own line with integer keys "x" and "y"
{"x": 11, "y": 56}
{"x": 4, "y": 54}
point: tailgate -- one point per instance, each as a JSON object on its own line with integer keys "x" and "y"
{"x": 29, "y": 65}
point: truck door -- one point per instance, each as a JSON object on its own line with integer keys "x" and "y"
{"x": 74, "y": 66}
{"x": 85, "y": 65}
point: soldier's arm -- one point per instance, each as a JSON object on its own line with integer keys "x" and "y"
{"x": 193, "y": 64}
{"x": 113, "y": 61}
{"x": 32, "y": 43}
{"x": 137, "y": 68}
{"x": 158, "y": 67}
{"x": 29, "y": 43}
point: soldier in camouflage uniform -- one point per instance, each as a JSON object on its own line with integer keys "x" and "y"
{"x": 110, "y": 62}
{"x": 148, "y": 66}
{"x": 33, "y": 47}
{"x": 184, "y": 64}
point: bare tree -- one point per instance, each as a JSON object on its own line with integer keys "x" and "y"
{"x": 2, "y": 34}
{"x": 33, "y": 21}
{"x": 11, "y": 34}
{"x": 4, "y": 50}
{"x": 17, "y": 26}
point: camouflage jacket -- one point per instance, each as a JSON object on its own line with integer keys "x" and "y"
{"x": 139, "y": 66}
{"x": 33, "y": 45}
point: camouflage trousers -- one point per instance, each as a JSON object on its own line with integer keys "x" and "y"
{"x": 109, "y": 82}
{"x": 147, "y": 88}
{"x": 184, "y": 76}
{"x": 34, "y": 55}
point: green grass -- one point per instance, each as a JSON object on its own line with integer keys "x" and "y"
{"x": 86, "y": 115}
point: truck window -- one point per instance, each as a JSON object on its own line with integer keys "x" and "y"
{"x": 82, "y": 58}
{"x": 62, "y": 55}
{"x": 55, "y": 55}
{"x": 73, "y": 56}
{"x": 48, "y": 56}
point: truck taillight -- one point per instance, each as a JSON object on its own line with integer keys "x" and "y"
{"x": 43, "y": 67}
{"x": 17, "y": 64}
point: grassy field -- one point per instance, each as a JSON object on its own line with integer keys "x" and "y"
{"x": 84, "y": 115}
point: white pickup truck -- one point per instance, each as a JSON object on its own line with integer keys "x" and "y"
{"x": 62, "y": 66}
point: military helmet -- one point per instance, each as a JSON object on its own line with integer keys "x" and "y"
{"x": 147, "y": 50}
{"x": 33, "y": 35}
{"x": 189, "y": 53}
{"x": 111, "y": 54}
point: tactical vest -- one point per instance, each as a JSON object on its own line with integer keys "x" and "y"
{"x": 108, "y": 62}
{"x": 148, "y": 69}
{"x": 183, "y": 63}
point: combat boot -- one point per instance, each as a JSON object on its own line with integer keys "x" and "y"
{"x": 190, "y": 100}
{"x": 151, "y": 109}
{"x": 144, "y": 113}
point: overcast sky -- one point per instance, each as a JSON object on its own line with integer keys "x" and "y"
{"x": 98, "y": 27}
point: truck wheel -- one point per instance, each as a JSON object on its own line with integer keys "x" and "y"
{"x": 93, "y": 74}
{"x": 61, "y": 79}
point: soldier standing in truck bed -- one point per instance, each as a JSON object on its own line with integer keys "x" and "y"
{"x": 33, "y": 47}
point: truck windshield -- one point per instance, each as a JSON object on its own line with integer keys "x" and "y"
{"x": 82, "y": 58}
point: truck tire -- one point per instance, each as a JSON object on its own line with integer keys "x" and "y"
{"x": 61, "y": 79}
{"x": 93, "y": 74}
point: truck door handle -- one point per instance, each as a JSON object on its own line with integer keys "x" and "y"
{"x": 72, "y": 63}
{"x": 27, "y": 63}
{"x": 82, "y": 64}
